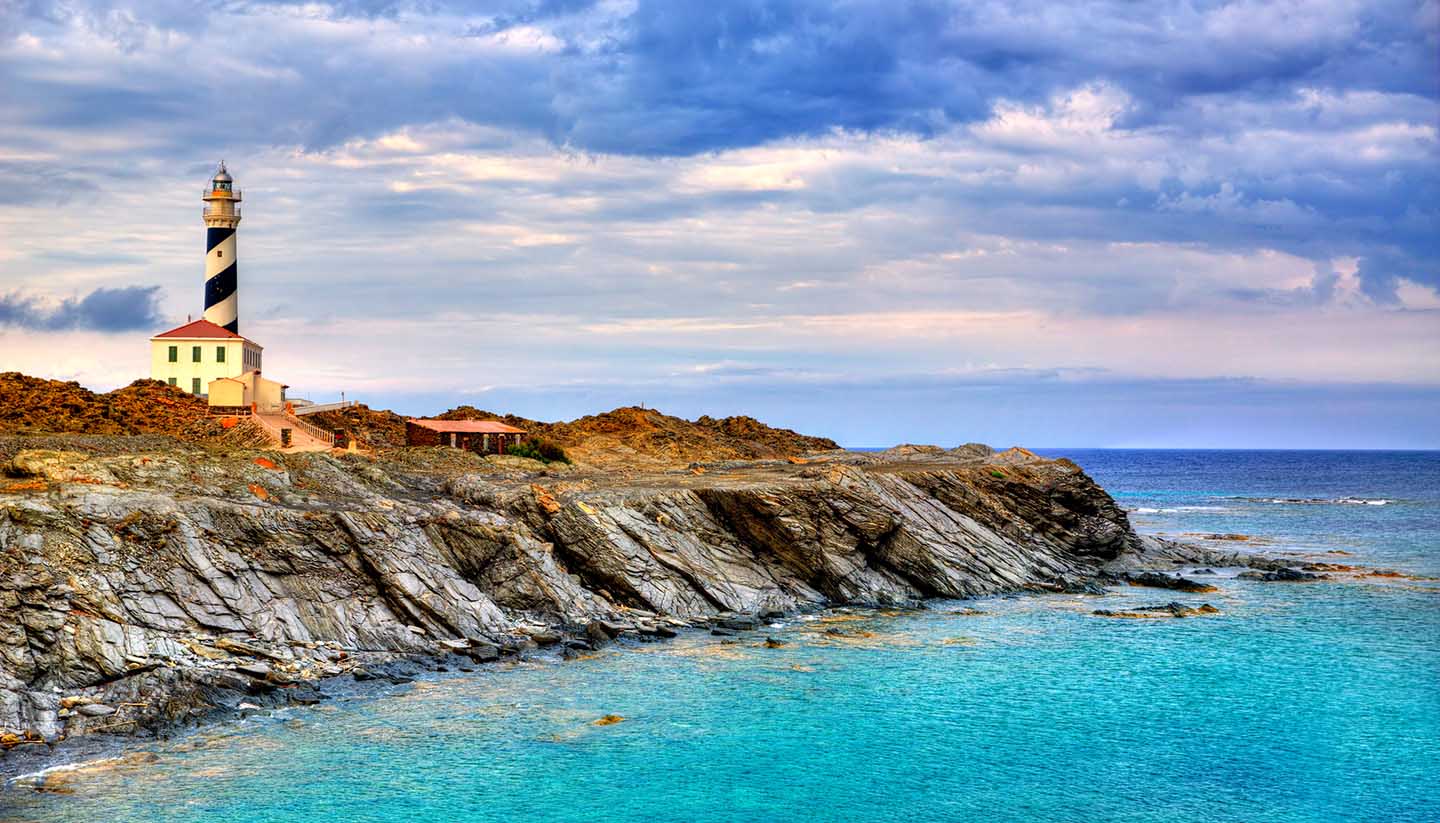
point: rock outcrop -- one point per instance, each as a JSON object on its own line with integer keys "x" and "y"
{"x": 161, "y": 586}
{"x": 624, "y": 438}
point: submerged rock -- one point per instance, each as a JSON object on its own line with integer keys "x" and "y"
{"x": 1158, "y": 580}
{"x": 1280, "y": 575}
{"x": 1167, "y": 610}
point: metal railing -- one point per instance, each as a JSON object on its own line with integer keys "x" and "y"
{"x": 311, "y": 429}
{"x": 316, "y": 408}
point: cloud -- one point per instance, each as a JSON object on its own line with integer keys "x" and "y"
{"x": 676, "y": 78}
{"x": 1382, "y": 272}
{"x": 104, "y": 309}
{"x": 625, "y": 191}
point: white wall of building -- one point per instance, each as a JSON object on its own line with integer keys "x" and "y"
{"x": 206, "y": 365}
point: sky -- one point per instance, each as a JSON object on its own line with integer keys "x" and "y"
{"x": 1174, "y": 223}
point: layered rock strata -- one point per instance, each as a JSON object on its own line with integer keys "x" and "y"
{"x": 139, "y": 591}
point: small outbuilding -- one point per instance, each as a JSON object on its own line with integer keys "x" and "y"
{"x": 482, "y": 436}
{"x": 246, "y": 392}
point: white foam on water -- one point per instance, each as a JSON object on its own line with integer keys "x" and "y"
{"x": 1175, "y": 509}
{"x": 1319, "y": 501}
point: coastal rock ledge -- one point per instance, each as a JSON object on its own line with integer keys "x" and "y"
{"x": 145, "y": 589}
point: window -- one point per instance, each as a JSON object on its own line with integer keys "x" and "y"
{"x": 195, "y": 353}
{"x": 219, "y": 354}
{"x": 171, "y": 380}
{"x": 194, "y": 385}
{"x": 174, "y": 358}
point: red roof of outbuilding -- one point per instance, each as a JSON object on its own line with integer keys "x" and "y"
{"x": 201, "y": 328}
{"x": 467, "y": 426}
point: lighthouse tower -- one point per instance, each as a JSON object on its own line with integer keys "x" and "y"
{"x": 222, "y": 216}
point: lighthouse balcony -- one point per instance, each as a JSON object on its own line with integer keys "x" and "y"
{"x": 211, "y": 212}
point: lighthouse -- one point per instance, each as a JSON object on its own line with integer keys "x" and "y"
{"x": 222, "y": 217}
{"x": 208, "y": 357}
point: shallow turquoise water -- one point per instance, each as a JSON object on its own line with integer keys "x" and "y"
{"x": 1298, "y": 703}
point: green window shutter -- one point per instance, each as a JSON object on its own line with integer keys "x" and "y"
{"x": 195, "y": 354}
{"x": 194, "y": 385}
{"x": 174, "y": 355}
{"x": 219, "y": 354}
{"x": 171, "y": 380}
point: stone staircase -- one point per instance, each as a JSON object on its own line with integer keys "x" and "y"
{"x": 303, "y": 436}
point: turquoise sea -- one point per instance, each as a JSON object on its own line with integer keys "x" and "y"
{"x": 1299, "y": 702}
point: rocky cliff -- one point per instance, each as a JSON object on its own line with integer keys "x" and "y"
{"x": 148, "y": 588}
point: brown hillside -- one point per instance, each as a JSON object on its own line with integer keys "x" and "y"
{"x": 31, "y": 404}
{"x": 628, "y": 436}
{"x": 376, "y": 428}
{"x": 631, "y": 435}
{"x": 625, "y": 436}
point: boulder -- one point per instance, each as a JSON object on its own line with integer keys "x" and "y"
{"x": 1157, "y": 580}
{"x": 601, "y": 632}
{"x": 257, "y": 670}
{"x": 483, "y": 652}
{"x": 741, "y": 623}
{"x": 1167, "y": 610}
{"x": 1281, "y": 575}
{"x": 252, "y": 649}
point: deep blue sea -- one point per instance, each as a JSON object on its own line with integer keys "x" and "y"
{"x": 1299, "y": 702}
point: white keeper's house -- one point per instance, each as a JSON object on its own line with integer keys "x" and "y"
{"x": 193, "y": 355}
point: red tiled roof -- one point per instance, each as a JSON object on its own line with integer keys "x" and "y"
{"x": 467, "y": 426}
{"x": 201, "y": 328}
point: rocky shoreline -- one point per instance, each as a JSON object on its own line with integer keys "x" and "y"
{"x": 149, "y": 588}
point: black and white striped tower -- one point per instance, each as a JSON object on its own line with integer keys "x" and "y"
{"x": 222, "y": 216}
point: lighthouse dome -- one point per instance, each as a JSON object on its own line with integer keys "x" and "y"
{"x": 223, "y": 176}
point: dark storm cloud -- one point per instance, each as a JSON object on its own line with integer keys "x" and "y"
{"x": 679, "y": 77}
{"x": 104, "y": 309}
{"x": 697, "y": 76}
{"x": 1381, "y": 271}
